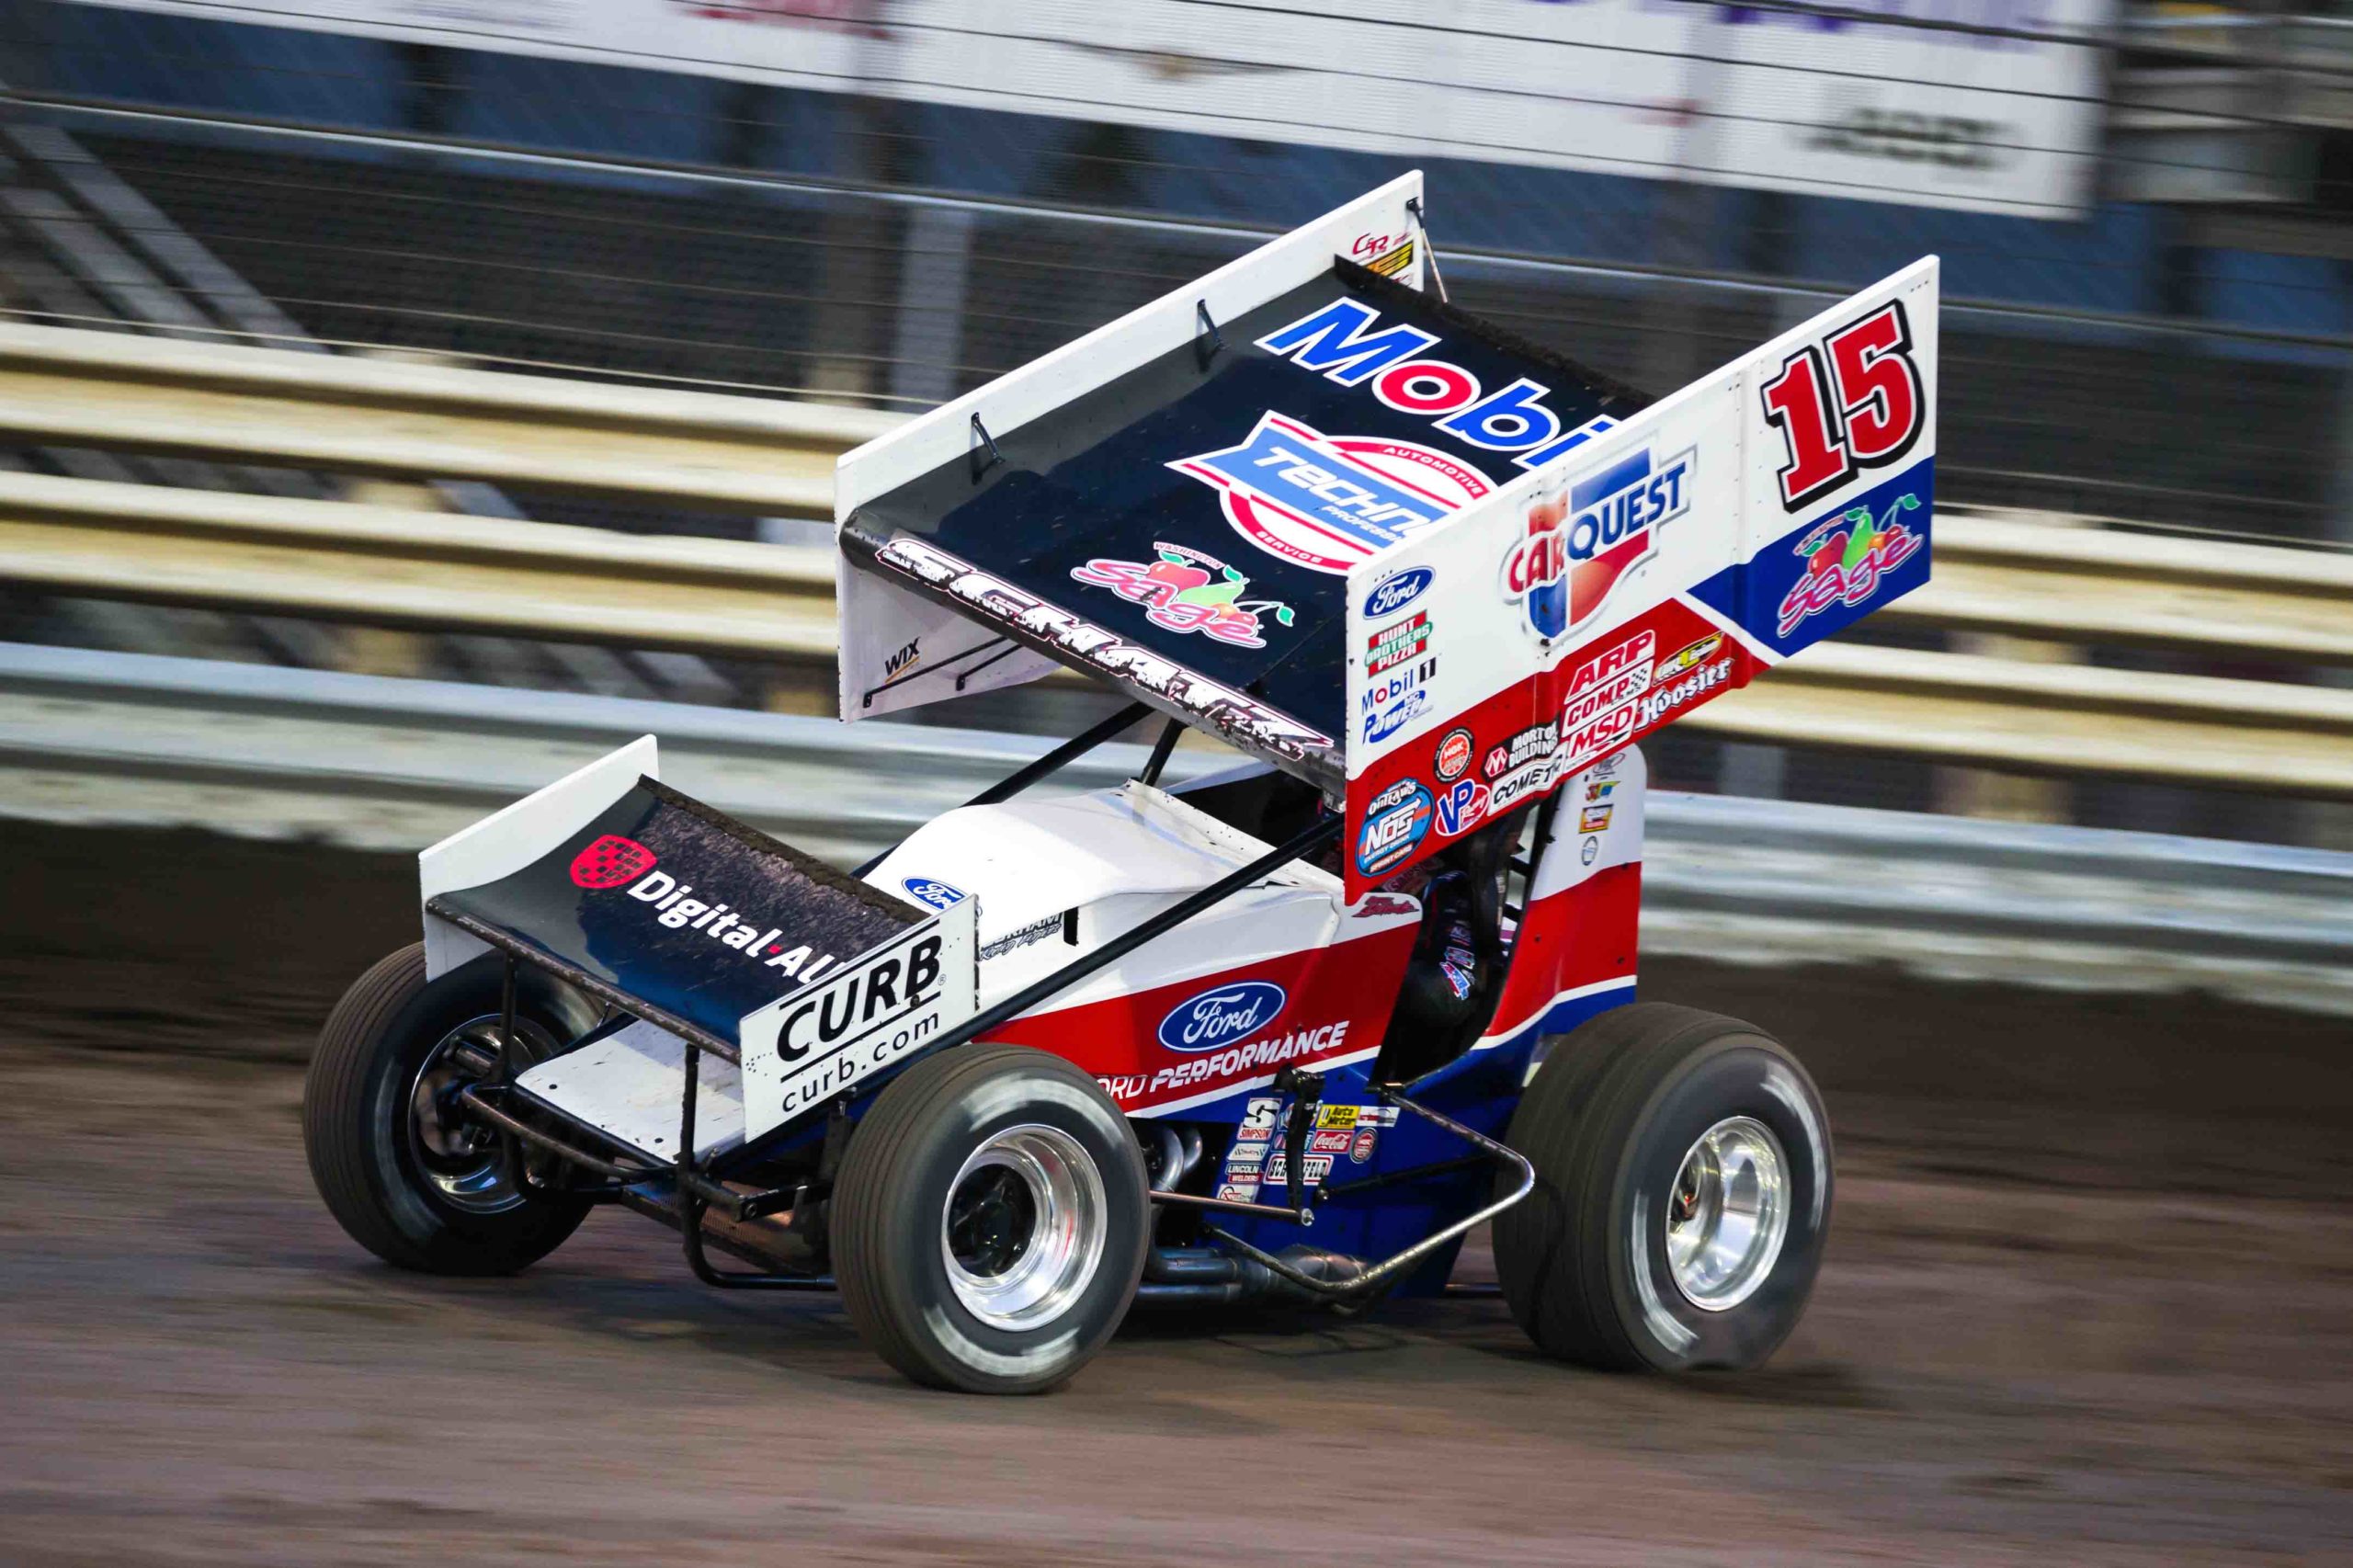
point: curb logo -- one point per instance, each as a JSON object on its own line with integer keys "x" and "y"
{"x": 610, "y": 861}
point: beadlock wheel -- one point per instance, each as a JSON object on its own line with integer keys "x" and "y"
{"x": 1728, "y": 1214}
{"x": 1024, "y": 1229}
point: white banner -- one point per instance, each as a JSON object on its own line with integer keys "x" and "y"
{"x": 1682, "y": 89}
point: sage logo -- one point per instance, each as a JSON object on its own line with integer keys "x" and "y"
{"x": 610, "y": 861}
{"x": 1225, "y": 1016}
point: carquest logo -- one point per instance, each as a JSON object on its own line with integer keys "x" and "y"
{"x": 932, "y": 892}
{"x": 1574, "y": 549}
{"x": 1226, "y": 1016}
{"x": 610, "y": 861}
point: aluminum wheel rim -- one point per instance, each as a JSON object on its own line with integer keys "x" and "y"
{"x": 1025, "y": 1227}
{"x": 1728, "y": 1213}
{"x": 460, "y": 1160}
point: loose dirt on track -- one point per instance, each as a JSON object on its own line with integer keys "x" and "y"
{"x": 2089, "y": 1299}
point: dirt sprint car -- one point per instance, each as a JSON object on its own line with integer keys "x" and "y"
{"x": 1287, "y": 1031}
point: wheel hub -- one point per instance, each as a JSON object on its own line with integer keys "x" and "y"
{"x": 1728, "y": 1213}
{"x": 1025, "y": 1227}
{"x": 462, "y": 1162}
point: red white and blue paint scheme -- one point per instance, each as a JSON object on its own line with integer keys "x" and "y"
{"x": 1431, "y": 581}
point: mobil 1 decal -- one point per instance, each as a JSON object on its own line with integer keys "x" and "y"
{"x": 805, "y": 1050}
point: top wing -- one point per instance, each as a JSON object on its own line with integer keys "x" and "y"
{"x": 1649, "y": 568}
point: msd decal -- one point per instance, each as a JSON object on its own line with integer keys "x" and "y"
{"x": 1329, "y": 502}
{"x": 1186, "y": 590}
{"x": 1576, "y": 546}
{"x": 1345, "y": 342}
{"x": 610, "y": 861}
{"x": 1225, "y": 1016}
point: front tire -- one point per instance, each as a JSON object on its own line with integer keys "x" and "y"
{"x": 406, "y": 1177}
{"x": 990, "y": 1221}
{"x": 1683, "y": 1192}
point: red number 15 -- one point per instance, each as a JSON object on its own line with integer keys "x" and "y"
{"x": 1874, "y": 418}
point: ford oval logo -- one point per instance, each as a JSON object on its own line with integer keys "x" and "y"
{"x": 931, "y": 891}
{"x": 1396, "y": 591}
{"x": 1226, "y": 1016}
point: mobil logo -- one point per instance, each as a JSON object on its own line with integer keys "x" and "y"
{"x": 610, "y": 861}
{"x": 1576, "y": 544}
{"x": 931, "y": 892}
{"x": 1330, "y": 503}
{"x": 1396, "y": 591}
{"x": 1461, "y": 806}
{"x": 1226, "y": 1015}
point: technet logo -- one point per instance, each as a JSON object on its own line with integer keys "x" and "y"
{"x": 612, "y": 860}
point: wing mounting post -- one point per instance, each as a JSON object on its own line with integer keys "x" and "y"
{"x": 1208, "y": 341}
{"x": 984, "y": 442}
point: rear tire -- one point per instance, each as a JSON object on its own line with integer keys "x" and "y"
{"x": 990, "y": 1221}
{"x": 1683, "y": 1189}
{"x": 403, "y": 1178}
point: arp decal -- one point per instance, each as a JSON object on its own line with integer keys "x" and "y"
{"x": 1394, "y": 822}
{"x": 1845, "y": 558}
{"x": 610, "y": 861}
{"x": 931, "y": 892}
{"x": 1578, "y": 544}
{"x": 1223, "y": 1015}
{"x": 1186, "y": 590}
{"x": 1396, "y": 591}
{"x": 1344, "y": 342}
{"x": 1330, "y": 503}
{"x": 1461, "y": 806}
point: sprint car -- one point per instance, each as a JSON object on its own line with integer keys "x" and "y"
{"x": 1287, "y": 1031}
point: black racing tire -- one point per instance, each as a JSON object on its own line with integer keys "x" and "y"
{"x": 357, "y": 1117}
{"x": 894, "y": 1228}
{"x": 1609, "y": 1120}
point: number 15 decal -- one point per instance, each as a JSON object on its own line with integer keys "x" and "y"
{"x": 1873, "y": 418}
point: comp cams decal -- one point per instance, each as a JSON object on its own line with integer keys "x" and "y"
{"x": 1329, "y": 502}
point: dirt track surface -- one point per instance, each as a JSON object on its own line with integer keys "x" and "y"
{"x": 2089, "y": 1299}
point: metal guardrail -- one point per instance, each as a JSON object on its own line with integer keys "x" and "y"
{"x": 355, "y": 415}
{"x": 334, "y": 560}
{"x": 97, "y": 738}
